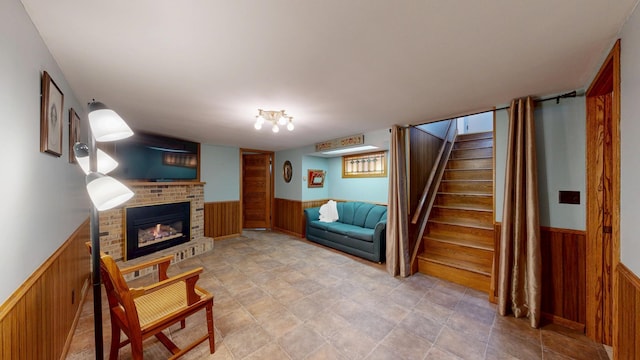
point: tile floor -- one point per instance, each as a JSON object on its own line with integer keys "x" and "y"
{"x": 280, "y": 297}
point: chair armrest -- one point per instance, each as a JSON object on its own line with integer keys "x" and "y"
{"x": 189, "y": 277}
{"x": 163, "y": 264}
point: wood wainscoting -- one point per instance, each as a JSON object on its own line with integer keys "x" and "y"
{"x": 38, "y": 319}
{"x": 563, "y": 253}
{"x": 626, "y": 344}
{"x": 289, "y": 215}
{"x": 222, "y": 219}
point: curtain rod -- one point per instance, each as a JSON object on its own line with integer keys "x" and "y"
{"x": 557, "y": 98}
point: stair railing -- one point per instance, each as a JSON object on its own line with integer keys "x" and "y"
{"x": 428, "y": 197}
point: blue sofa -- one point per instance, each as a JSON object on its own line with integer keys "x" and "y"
{"x": 361, "y": 229}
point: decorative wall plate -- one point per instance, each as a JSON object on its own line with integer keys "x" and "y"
{"x": 287, "y": 171}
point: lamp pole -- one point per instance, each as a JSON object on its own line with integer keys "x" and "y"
{"x": 95, "y": 255}
{"x": 105, "y": 192}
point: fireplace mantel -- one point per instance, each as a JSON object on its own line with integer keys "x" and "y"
{"x": 112, "y": 222}
{"x": 172, "y": 183}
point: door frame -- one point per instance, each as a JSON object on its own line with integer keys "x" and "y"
{"x": 244, "y": 151}
{"x": 598, "y": 272}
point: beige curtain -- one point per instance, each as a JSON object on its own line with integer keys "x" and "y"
{"x": 519, "y": 276}
{"x": 397, "y": 252}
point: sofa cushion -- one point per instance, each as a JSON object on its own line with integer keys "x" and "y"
{"x": 353, "y": 231}
{"x": 346, "y": 215}
{"x": 339, "y": 228}
{"x": 361, "y": 233}
{"x": 360, "y": 216}
{"x": 378, "y": 213}
{"x": 319, "y": 224}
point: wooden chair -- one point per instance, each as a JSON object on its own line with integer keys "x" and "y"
{"x": 145, "y": 311}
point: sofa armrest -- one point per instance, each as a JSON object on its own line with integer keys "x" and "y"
{"x": 380, "y": 231}
{"x": 312, "y": 213}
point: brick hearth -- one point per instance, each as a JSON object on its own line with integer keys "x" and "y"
{"x": 112, "y": 230}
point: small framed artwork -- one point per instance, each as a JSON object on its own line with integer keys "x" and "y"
{"x": 287, "y": 171}
{"x": 315, "y": 178}
{"x": 51, "y": 117}
{"x": 74, "y": 133}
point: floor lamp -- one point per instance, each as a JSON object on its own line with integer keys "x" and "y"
{"x": 105, "y": 192}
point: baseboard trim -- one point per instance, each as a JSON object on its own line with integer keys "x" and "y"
{"x": 554, "y": 319}
{"x": 224, "y": 237}
{"x": 288, "y": 232}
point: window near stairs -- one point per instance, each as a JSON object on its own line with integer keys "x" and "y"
{"x": 365, "y": 165}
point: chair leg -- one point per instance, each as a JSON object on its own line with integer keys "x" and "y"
{"x": 115, "y": 342}
{"x": 182, "y": 324}
{"x": 212, "y": 338}
{"x": 136, "y": 350}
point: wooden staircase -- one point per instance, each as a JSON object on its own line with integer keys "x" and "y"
{"x": 458, "y": 241}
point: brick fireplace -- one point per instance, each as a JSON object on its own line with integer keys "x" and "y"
{"x": 112, "y": 222}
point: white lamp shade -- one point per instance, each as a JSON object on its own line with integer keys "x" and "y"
{"x": 106, "y": 192}
{"x": 290, "y": 125}
{"x": 282, "y": 120}
{"x": 105, "y": 163}
{"x": 106, "y": 124}
{"x": 275, "y": 128}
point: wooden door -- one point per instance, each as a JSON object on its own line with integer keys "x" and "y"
{"x": 603, "y": 198}
{"x": 256, "y": 190}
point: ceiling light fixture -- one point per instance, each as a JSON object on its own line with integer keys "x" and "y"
{"x": 275, "y": 118}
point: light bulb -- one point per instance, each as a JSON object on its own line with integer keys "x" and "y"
{"x": 282, "y": 120}
{"x": 275, "y": 128}
{"x": 290, "y": 124}
{"x": 258, "y": 125}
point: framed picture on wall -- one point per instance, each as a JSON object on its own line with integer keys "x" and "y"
{"x": 74, "y": 133}
{"x": 315, "y": 178}
{"x": 51, "y": 117}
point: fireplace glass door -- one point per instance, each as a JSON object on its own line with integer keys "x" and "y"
{"x": 156, "y": 227}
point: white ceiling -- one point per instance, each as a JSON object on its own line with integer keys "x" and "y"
{"x": 200, "y": 69}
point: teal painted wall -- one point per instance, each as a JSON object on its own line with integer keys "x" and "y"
{"x": 220, "y": 170}
{"x": 335, "y": 187}
{"x": 560, "y": 149}
{"x": 360, "y": 189}
{"x": 293, "y": 189}
{"x": 629, "y": 138}
{"x": 315, "y": 163}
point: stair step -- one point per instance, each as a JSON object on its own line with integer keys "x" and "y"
{"x": 468, "y": 174}
{"x": 471, "y": 242}
{"x": 472, "y": 153}
{"x": 461, "y": 223}
{"x": 469, "y": 201}
{"x": 462, "y": 207}
{"x": 480, "y": 234}
{"x": 476, "y": 135}
{"x": 470, "y": 163}
{"x": 474, "y": 218}
{"x": 472, "y": 144}
{"x": 458, "y": 274}
{"x": 472, "y": 257}
{"x": 467, "y": 186}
